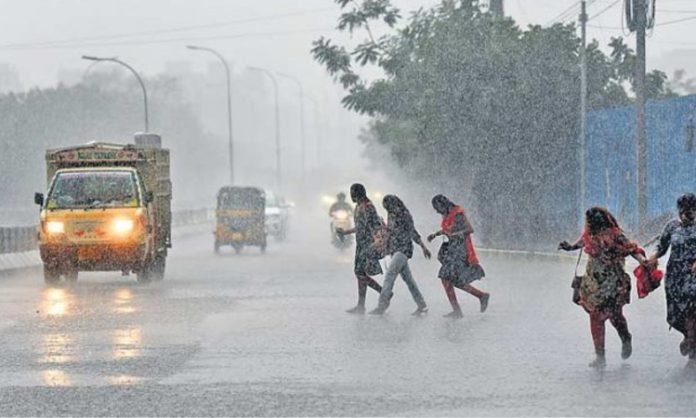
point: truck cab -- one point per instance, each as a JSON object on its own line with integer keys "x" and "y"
{"x": 107, "y": 209}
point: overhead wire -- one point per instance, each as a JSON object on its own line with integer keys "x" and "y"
{"x": 671, "y": 22}
{"x": 564, "y": 14}
{"x": 677, "y": 11}
{"x": 606, "y": 9}
{"x": 170, "y": 40}
{"x": 165, "y": 31}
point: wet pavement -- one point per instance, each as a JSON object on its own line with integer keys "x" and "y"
{"x": 256, "y": 334}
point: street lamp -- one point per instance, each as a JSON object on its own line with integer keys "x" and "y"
{"x": 229, "y": 103}
{"x": 87, "y": 70}
{"x": 302, "y": 123}
{"x": 277, "y": 119}
{"x": 135, "y": 73}
{"x": 316, "y": 130}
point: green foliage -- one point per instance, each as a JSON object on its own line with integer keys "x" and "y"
{"x": 682, "y": 83}
{"x": 474, "y": 104}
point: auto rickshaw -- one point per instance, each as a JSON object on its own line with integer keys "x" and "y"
{"x": 240, "y": 218}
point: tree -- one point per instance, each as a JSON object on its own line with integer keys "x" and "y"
{"x": 682, "y": 83}
{"x": 480, "y": 108}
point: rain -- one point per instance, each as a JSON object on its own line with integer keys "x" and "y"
{"x": 348, "y": 208}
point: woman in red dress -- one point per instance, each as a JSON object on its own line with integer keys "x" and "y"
{"x": 460, "y": 265}
{"x": 606, "y": 287}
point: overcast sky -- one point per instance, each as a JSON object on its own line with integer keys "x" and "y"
{"x": 270, "y": 33}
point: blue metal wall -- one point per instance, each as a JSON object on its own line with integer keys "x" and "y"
{"x": 611, "y": 157}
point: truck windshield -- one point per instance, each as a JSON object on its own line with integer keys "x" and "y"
{"x": 93, "y": 189}
{"x": 240, "y": 199}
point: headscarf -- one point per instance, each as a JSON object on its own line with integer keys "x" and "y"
{"x": 602, "y": 232}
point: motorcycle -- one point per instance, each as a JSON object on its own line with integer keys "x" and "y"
{"x": 344, "y": 220}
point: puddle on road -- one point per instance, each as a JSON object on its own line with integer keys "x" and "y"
{"x": 123, "y": 299}
{"x": 124, "y": 380}
{"x": 55, "y": 377}
{"x": 57, "y": 348}
{"x": 127, "y": 343}
{"x": 55, "y": 302}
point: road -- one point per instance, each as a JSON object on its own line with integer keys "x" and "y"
{"x": 267, "y": 335}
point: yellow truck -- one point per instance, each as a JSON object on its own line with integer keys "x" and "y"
{"x": 108, "y": 208}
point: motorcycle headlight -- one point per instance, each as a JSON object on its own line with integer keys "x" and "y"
{"x": 55, "y": 227}
{"x": 123, "y": 226}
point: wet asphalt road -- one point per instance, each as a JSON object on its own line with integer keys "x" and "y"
{"x": 267, "y": 335}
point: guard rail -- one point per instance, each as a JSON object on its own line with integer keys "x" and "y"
{"x": 15, "y": 239}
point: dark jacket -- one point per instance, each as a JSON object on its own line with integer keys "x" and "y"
{"x": 402, "y": 234}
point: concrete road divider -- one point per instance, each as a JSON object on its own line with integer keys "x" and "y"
{"x": 18, "y": 244}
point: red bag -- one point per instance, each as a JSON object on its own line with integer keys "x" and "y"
{"x": 647, "y": 280}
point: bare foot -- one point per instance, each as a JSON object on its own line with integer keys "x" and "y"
{"x": 454, "y": 314}
{"x": 484, "y": 302}
{"x": 358, "y": 310}
{"x": 599, "y": 363}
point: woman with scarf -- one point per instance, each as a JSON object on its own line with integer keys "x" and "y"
{"x": 460, "y": 265}
{"x": 401, "y": 234}
{"x": 680, "y": 281}
{"x": 605, "y": 288}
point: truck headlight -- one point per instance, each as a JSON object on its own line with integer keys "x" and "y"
{"x": 123, "y": 226}
{"x": 55, "y": 227}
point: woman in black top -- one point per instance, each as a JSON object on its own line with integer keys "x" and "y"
{"x": 367, "y": 223}
{"x": 401, "y": 234}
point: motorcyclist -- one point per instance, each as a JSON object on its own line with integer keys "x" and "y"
{"x": 340, "y": 204}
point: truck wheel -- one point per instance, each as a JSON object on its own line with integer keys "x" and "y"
{"x": 71, "y": 276}
{"x": 144, "y": 275}
{"x": 158, "y": 267}
{"x": 51, "y": 275}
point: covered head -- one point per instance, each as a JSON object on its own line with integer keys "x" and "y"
{"x": 441, "y": 204}
{"x": 686, "y": 201}
{"x": 686, "y": 205}
{"x": 393, "y": 204}
{"x": 358, "y": 192}
{"x": 598, "y": 219}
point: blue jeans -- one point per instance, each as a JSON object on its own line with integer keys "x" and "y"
{"x": 398, "y": 265}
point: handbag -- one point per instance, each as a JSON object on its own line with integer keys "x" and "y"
{"x": 575, "y": 284}
{"x": 442, "y": 253}
{"x": 380, "y": 241}
{"x": 647, "y": 280}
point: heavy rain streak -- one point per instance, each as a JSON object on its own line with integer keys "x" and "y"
{"x": 348, "y": 208}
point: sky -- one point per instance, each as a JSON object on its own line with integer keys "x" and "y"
{"x": 275, "y": 34}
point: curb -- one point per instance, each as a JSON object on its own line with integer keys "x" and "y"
{"x": 531, "y": 254}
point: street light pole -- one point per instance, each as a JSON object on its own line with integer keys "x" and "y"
{"x": 303, "y": 143}
{"x": 315, "y": 130}
{"x": 135, "y": 73}
{"x": 583, "y": 108}
{"x": 641, "y": 137}
{"x": 229, "y": 104}
{"x": 277, "y": 121}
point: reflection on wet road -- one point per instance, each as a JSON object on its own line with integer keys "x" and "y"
{"x": 267, "y": 335}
